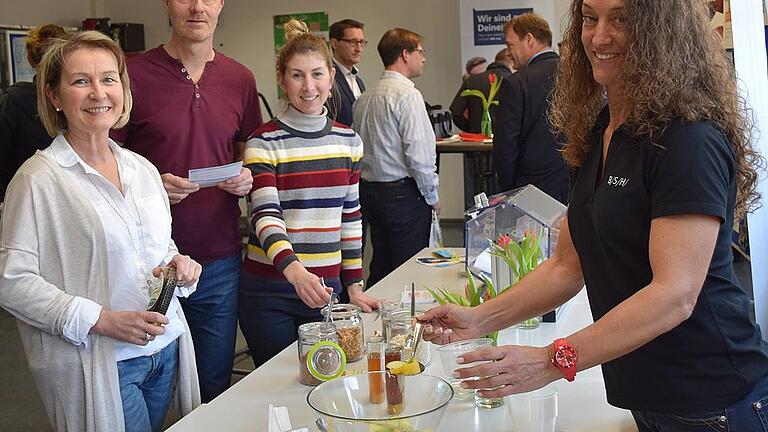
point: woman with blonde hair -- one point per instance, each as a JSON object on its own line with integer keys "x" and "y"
{"x": 662, "y": 168}
{"x": 306, "y": 239}
{"x": 86, "y": 228}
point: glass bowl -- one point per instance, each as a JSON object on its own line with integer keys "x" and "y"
{"x": 344, "y": 404}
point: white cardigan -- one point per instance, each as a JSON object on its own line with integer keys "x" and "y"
{"x": 48, "y": 223}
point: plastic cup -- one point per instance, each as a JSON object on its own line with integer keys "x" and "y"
{"x": 535, "y": 411}
{"x": 449, "y": 353}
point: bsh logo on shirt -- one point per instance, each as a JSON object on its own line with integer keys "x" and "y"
{"x": 617, "y": 181}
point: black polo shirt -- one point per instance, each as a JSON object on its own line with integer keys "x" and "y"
{"x": 714, "y": 357}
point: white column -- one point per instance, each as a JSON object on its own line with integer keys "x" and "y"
{"x": 752, "y": 71}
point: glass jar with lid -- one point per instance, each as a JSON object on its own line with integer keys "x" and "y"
{"x": 320, "y": 357}
{"x": 349, "y": 326}
{"x": 399, "y": 329}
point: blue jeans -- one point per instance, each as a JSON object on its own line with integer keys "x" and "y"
{"x": 749, "y": 414}
{"x": 146, "y": 387}
{"x": 270, "y": 323}
{"x": 211, "y": 313}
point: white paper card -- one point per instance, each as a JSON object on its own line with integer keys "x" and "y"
{"x": 279, "y": 420}
{"x": 483, "y": 261}
{"x": 211, "y": 176}
{"x": 422, "y": 296}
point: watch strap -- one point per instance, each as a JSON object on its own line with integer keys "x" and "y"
{"x": 565, "y": 357}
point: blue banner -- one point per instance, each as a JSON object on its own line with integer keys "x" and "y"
{"x": 489, "y": 24}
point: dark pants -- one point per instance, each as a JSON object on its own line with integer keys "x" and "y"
{"x": 748, "y": 414}
{"x": 398, "y": 219}
{"x": 270, "y": 323}
{"x": 211, "y": 313}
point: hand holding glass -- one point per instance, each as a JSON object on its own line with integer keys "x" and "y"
{"x": 450, "y": 352}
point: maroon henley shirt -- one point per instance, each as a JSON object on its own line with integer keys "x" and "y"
{"x": 179, "y": 125}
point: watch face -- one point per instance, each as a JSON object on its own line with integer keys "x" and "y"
{"x": 565, "y": 357}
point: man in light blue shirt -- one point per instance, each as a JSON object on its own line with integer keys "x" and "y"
{"x": 398, "y": 187}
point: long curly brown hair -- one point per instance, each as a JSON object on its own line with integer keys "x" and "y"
{"x": 675, "y": 67}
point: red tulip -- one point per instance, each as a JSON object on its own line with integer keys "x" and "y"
{"x": 491, "y": 78}
{"x": 503, "y": 241}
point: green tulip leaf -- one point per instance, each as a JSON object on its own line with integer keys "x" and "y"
{"x": 438, "y": 298}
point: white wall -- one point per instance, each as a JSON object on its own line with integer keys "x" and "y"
{"x": 561, "y": 17}
{"x": 67, "y": 13}
{"x": 751, "y": 64}
{"x": 151, "y": 13}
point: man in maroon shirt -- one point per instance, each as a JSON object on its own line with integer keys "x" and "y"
{"x": 195, "y": 108}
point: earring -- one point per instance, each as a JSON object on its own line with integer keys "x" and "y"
{"x": 58, "y": 109}
{"x": 330, "y": 94}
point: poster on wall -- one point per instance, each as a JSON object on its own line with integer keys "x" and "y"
{"x": 316, "y": 21}
{"x": 16, "y": 53}
{"x": 554, "y": 12}
{"x": 489, "y": 24}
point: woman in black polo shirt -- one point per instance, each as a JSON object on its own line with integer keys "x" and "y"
{"x": 661, "y": 169}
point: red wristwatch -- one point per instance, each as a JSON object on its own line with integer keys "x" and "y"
{"x": 564, "y": 358}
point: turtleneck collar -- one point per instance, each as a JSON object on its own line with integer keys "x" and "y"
{"x": 300, "y": 121}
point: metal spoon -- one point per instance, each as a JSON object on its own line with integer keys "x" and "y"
{"x": 415, "y": 338}
{"x": 321, "y": 424}
{"x": 329, "y": 317}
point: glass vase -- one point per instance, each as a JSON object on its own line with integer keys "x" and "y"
{"x": 485, "y": 124}
{"x": 530, "y": 323}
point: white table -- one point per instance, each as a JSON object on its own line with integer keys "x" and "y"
{"x": 582, "y": 403}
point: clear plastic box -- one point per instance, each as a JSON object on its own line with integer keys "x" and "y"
{"x": 512, "y": 213}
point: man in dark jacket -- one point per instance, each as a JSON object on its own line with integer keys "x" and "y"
{"x": 525, "y": 151}
{"x": 467, "y": 111}
{"x": 347, "y": 42}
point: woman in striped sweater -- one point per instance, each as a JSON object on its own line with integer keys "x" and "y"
{"x": 305, "y": 215}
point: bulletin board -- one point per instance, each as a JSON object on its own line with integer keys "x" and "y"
{"x": 16, "y": 54}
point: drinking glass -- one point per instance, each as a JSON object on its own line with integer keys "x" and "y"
{"x": 449, "y": 353}
{"x": 488, "y": 402}
{"x": 535, "y": 411}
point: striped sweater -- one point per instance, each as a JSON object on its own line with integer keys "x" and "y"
{"x": 304, "y": 202}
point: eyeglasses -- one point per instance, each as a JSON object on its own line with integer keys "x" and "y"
{"x": 361, "y": 42}
{"x": 421, "y": 51}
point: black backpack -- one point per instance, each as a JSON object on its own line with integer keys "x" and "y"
{"x": 441, "y": 119}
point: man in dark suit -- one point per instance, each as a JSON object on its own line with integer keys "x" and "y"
{"x": 347, "y": 43}
{"x": 525, "y": 151}
{"x": 467, "y": 111}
